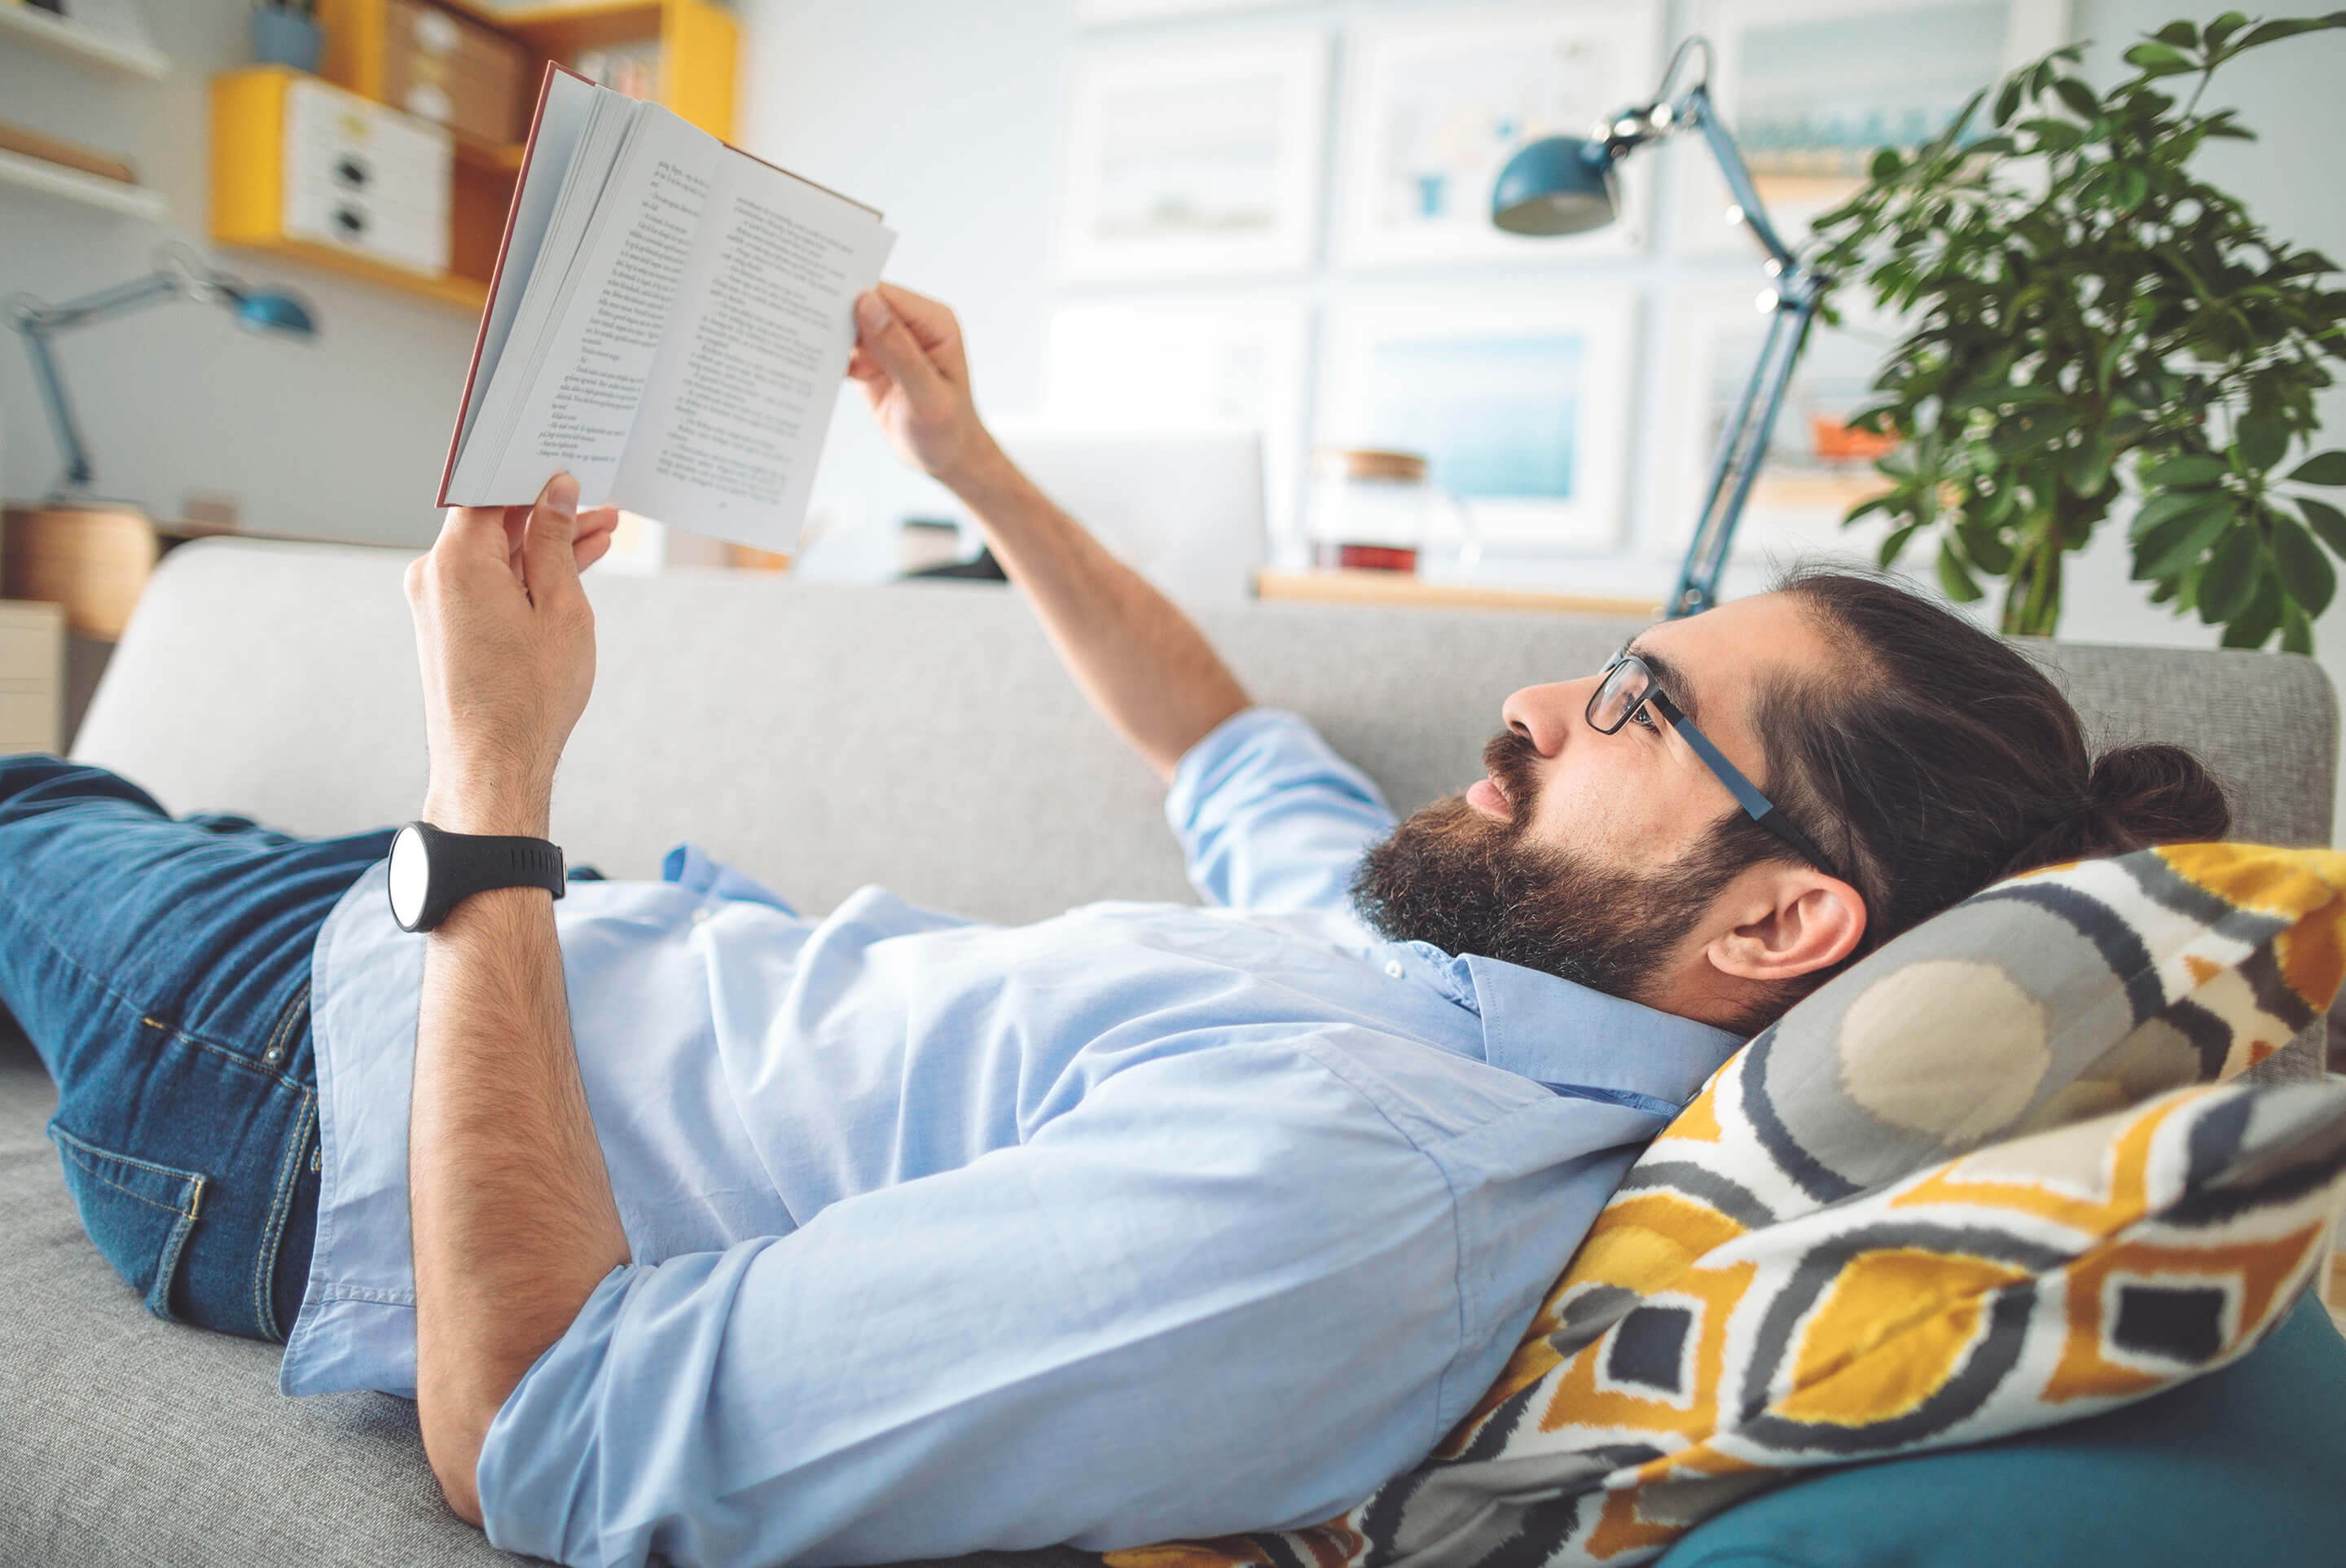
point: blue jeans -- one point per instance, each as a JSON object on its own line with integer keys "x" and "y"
{"x": 161, "y": 969}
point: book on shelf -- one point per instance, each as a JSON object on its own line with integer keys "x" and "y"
{"x": 669, "y": 321}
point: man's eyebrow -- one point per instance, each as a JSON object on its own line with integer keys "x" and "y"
{"x": 1671, "y": 678}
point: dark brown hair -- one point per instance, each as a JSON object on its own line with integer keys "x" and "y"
{"x": 1940, "y": 758}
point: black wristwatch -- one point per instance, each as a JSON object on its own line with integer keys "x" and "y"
{"x": 432, "y": 872}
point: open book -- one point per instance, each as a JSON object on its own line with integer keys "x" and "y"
{"x": 669, "y": 321}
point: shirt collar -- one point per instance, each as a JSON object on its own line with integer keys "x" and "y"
{"x": 1558, "y": 1033}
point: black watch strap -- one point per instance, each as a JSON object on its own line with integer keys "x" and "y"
{"x": 458, "y": 865}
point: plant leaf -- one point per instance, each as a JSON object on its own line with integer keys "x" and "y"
{"x": 2259, "y": 617}
{"x": 2224, "y": 26}
{"x": 2322, "y": 468}
{"x": 2056, "y": 136}
{"x": 2327, "y": 521}
{"x": 1954, "y": 580}
{"x": 2261, "y": 440}
{"x": 2305, "y": 571}
{"x": 2289, "y": 27}
{"x": 2178, "y": 544}
{"x": 2191, "y": 473}
{"x": 1895, "y": 545}
{"x": 2183, "y": 34}
{"x": 2164, "y": 508}
{"x": 2148, "y": 55}
{"x": 2007, "y": 102}
{"x": 2230, "y": 577}
{"x": 2078, "y": 97}
{"x": 2296, "y": 631}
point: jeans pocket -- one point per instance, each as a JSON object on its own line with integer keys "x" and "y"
{"x": 137, "y": 1213}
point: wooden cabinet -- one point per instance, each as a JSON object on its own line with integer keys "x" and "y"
{"x": 32, "y": 677}
{"x": 695, "y": 43}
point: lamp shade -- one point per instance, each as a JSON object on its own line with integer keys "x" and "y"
{"x": 1558, "y": 185}
{"x": 275, "y": 314}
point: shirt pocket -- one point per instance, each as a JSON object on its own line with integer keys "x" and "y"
{"x": 139, "y": 1214}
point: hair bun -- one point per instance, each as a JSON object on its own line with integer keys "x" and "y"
{"x": 2158, "y": 794}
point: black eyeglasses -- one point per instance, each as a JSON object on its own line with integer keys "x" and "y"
{"x": 1628, "y": 686}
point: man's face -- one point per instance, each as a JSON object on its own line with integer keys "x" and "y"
{"x": 1593, "y": 855}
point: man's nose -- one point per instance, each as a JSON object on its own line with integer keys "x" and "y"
{"x": 1545, "y": 715}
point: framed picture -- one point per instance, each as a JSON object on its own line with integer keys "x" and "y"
{"x": 1519, "y": 407}
{"x": 1816, "y": 468}
{"x": 1436, "y": 108}
{"x": 1187, "y": 363}
{"x": 1195, "y": 159}
{"x": 1811, "y": 88}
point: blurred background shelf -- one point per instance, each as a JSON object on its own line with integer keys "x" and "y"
{"x": 498, "y": 59}
{"x": 52, "y": 32}
{"x": 72, "y": 185}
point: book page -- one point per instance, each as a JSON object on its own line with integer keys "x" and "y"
{"x": 554, "y": 147}
{"x": 581, "y": 390}
{"x": 741, "y": 397}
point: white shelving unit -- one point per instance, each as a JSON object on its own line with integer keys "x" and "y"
{"x": 73, "y": 185}
{"x": 52, "y": 32}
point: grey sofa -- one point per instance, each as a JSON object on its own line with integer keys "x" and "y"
{"x": 922, "y": 736}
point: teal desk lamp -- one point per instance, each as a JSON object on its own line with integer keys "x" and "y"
{"x": 1566, "y": 184}
{"x": 179, "y": 274}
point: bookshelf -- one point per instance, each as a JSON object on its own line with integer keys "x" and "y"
{"x": 697, "y": 45}
{"x": 54, "y": 33}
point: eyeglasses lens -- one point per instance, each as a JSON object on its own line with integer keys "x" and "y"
{"x": 1617, "y": 694}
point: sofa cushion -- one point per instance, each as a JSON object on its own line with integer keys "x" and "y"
{"x": 2239, "y": 1466}
{"x": 1796, "y": 1274}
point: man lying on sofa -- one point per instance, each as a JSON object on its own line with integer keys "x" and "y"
{"x": 699, "y": 1227}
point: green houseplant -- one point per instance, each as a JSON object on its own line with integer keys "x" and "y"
{"x": 2086, "y": 305}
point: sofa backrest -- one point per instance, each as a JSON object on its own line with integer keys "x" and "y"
{"x": 923, "y": 736}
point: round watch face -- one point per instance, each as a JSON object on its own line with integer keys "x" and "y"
{"x": 411, "y": 876}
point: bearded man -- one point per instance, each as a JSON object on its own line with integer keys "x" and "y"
{"x": 699, "y": 1227}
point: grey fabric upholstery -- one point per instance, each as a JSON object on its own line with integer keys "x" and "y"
{"x": 820, "y": 738}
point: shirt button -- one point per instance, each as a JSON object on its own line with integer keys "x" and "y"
{"x": 1393, "y": 967}
{"x": 700, "y": 914}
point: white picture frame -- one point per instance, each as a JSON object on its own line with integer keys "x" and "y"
{"x": 1808, "y": 88}
{"x": 1193, "y": 160}
{"x": 1176, "y": 364}
{"x": 1436, "y": 106}
{"x": 1519, "y": 403}
{"x": 1816, "y": 469}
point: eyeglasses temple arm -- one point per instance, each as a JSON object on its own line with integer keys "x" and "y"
{"x": 1756, "y": 806}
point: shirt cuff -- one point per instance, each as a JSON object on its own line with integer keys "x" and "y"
{"x": 1204, "y": 765}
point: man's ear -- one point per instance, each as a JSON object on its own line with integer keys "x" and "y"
{"x": 1789, "y": 921}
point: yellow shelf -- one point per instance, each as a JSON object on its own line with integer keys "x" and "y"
{"x": 698, "y": 49}
{"x": 249, "y": 191}
{"x": 470, "y": 293}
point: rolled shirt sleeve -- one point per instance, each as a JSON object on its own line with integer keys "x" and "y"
{"x": 1190, "y": 1276}
{"x": 1270, "y": 817}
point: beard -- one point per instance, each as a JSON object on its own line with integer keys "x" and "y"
{"x": 1468, "y": 884}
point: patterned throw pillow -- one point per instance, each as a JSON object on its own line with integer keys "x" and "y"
{"x": 1830, "y": 1256}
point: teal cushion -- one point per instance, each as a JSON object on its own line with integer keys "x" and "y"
{"x": 2244, "y": 1465}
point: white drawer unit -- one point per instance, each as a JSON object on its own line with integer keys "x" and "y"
{"x": 366, "y": 178}
{"x": 32, "y": 677}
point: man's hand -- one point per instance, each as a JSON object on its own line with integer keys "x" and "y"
{"x": 506, "y": 640}
{"x": 908, "y": 356}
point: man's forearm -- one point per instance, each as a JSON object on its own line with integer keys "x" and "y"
{"x": 514, "y": 1221}
{"x": 1142, "y": 662}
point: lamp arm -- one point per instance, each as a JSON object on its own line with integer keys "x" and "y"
{"x": 1696, "y": 106}
{"x": 1743, "y": 446}
{"x": 36, "y": 323}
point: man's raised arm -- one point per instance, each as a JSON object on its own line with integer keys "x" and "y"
{"x": 1142, "y": 662}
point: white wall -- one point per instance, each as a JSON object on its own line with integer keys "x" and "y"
{"x": 342, "y": 437}
{"x": 945, "y": 113}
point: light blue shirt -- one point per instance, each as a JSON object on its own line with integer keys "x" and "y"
{"x": 1147, "y": 1221}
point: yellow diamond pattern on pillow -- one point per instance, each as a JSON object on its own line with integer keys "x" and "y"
{"x": 1859, "y": 1241}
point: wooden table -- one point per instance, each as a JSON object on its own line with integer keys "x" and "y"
{"x": 1400, "y": 588}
